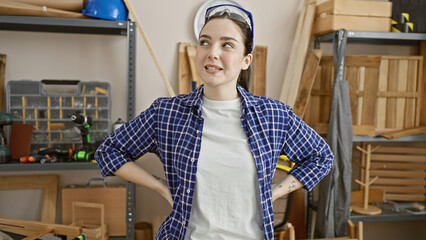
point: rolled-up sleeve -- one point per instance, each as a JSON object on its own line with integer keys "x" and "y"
{"x": 128, "y": 143}
{"x": 312, "y": 155}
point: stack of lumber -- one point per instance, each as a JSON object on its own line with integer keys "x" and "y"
{"x": 43, "y": 8}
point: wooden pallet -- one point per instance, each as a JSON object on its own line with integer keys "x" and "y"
{"x": 385, "y": 92}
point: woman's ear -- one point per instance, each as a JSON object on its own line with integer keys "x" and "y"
{"x": 246, "y": 61}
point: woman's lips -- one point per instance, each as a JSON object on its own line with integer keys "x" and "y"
{"x": 212, "y": 68}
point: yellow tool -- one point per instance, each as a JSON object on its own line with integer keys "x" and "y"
{"x": 284, "y": 167}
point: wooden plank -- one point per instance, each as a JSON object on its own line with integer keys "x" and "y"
{"x": 352, "y": 76}
{"x": 405, "y": 189}
{"x": 421, "y": 86}
{"x": 401, "y": 87}
{"x": 322, "y": 128}
{"x": 397, "y": 158}
{"x": 325, "y": 101}
{"x": 191, "y": 51}
{"x": 401, "y": 166}
{"x": 382, "y": 87}
{"x": 410, "y": 103}
{"x": 297, "y": 57}
{"x": 184, "y": 72}
{"x": 259, "y": 71}
{"x": 2, "y": 78}
{"x": 405, "y": 197}
{"x": 399, "y": 181}
{"x": 372, "y": 61}
{"x": 422, "y": 71}
{"x": 370, "y": 95}
{"x": 392, "y": 86}
{"x": 49, "y": 184}
{"x": 309, "y": 75}
{"x": 406, "y": 150}
{"x": 401, "y": 174}
{"x": 404, "y": 132}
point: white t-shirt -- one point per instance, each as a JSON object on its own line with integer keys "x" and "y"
{"x": 226, "y": 203}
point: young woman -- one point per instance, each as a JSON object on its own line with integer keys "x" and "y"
{"x": 219, "y": 144}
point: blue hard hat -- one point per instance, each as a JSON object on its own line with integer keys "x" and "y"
{"x": 106, "y": 9}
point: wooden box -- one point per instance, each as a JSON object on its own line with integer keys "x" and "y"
{"x": 385, "y": 93}
{"x": 352, "y": 15}
{"x": 113, "y": 197}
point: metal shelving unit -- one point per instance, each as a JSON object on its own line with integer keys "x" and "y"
{"x": 82, "y": 26}
{"x": 380, "y": 38}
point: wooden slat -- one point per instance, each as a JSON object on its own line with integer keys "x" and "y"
{"x": 401, "y": 87}
{"x": 407, "y": 174}
{"x": 422, "y": 78}
{"x": 191, "y": 51}
{"x": 382, "y": 87}
{"x": 325, "y": 101}
{"x": 352, "y": 76}
{"x": 184, "y": 72}
{"x": 402, "y": 150}
{"x": 306, "y": 84}
{"x": 259, "y": 71}
{"x": 296, "y": 61}
{"x": 370, "y": 92}
{"x": 398, "y": 158}
{"x": 405, "y": 189}
{"x": 392, "y": 86}
{"x": 405, "y": 197}
{"x": 404, "y": 132}
{"x": 400, "y": 166}
{"x": 399, "y": 181}
{"x": 410, "y": 104}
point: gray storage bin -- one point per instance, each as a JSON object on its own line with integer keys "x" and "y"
{"x": 46, "y": 104}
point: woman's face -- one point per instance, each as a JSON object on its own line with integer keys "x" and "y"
{"x": 220, "y": 53}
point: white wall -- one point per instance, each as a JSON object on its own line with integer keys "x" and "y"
{"x": 39, "y": 56}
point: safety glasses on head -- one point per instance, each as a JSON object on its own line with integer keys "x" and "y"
{"x": 234, "y": 12}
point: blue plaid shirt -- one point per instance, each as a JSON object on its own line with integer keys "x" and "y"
{"x": 172, "y": 128}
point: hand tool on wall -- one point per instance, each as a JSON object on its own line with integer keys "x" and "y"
{"x": 5, "y": 153}
{"x": 148, "y": 45}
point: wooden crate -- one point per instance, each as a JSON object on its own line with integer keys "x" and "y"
{"x": 352, "y": 15}
{"x": 113, "y": 197}
{"x": 401, "y": 173}
{"x": 385, "y": 93}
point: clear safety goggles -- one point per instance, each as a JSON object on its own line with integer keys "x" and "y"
{"x": 234, "y": 12}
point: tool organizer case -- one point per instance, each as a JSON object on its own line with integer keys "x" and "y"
{"x": 33, "y": 102}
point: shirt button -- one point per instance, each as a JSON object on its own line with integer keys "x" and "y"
{"x": 184, "y": 222}
{"x": 192, "y": 160}
{"x": 188, "y": 191}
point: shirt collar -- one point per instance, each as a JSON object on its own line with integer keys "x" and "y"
{"x": 195, "y": 97}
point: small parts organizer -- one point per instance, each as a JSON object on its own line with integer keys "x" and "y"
{"x": 49, "y": 104}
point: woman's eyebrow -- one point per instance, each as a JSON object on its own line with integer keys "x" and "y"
{"x": 229, "y": 39}
{"x": 205, "y": 36}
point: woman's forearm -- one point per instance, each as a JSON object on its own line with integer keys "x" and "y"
{"x": 136, "y": 174}
{"x": 286, "y": 186}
